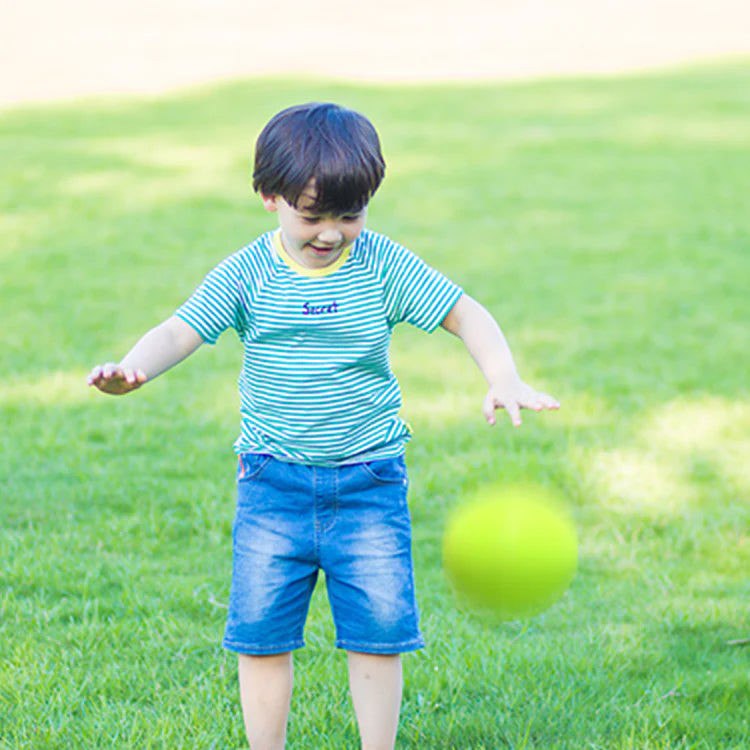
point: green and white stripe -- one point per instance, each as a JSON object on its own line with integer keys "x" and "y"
{"x": 316, "y": 385}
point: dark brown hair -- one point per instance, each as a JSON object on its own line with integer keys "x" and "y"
{"x": 336, "y": 147}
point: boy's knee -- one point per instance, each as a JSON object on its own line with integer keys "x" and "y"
{"x": 265, "y": 662}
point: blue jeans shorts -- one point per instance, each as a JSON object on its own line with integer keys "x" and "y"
{"x": 352, "y": 522}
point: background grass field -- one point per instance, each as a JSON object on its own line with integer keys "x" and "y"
{"x": 604, "y": 222}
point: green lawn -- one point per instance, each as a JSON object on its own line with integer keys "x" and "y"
{"x": 604, "y": 222}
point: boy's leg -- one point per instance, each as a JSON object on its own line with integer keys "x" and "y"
{"x": 376, "y": 684}
{"x": 265, "y": 693}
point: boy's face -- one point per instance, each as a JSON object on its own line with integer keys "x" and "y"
{"x": 314, "y": 241}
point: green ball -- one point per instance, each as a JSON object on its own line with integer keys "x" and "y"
{"x": 511, "y": 551}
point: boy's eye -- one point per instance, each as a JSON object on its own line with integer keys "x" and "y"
{"x": 349, "y": 218}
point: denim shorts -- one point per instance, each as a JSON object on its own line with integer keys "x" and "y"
{"x": 352, "y": 522}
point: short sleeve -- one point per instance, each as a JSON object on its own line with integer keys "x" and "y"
{"x": 217, "y": 304}
{"x": 415, "y": 292}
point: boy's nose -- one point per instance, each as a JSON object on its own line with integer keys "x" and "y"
{"x": 330, "y": 236}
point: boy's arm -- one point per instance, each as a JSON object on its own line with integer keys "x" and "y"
{"x": 158, "y": 350}
{"x": 483, "y": 338}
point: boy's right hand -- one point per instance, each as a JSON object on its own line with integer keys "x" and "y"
{"x": 116, "y": 380}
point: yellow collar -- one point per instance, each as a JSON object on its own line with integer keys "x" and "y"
{"x": 304, "y": 270}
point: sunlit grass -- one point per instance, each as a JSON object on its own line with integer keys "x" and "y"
{"x": 603, "y": 222}
{"x": 53, "y": 389}
{"x": 681, "y": 452}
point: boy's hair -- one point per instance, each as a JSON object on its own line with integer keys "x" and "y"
{"x": 336, "y": 147}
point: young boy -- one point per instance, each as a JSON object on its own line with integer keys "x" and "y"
{"x": 321, "y": 480}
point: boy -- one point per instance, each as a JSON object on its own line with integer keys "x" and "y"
{"x": 321, "y": 479}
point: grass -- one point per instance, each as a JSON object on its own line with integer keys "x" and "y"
{"x": 604, "y": 222}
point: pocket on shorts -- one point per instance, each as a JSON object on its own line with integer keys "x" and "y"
{"x": 251, "y": 465}
{"x": 386, "y": 470}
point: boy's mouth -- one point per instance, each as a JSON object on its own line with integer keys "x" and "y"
{"x": 319, "y": 249}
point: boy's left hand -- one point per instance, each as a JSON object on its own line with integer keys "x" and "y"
{"x": 514, "y": 396}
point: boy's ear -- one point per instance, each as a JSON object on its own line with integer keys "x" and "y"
{"x": 269, "y": 202}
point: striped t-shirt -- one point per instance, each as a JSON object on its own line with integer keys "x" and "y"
{"x": 316, "y": 385}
